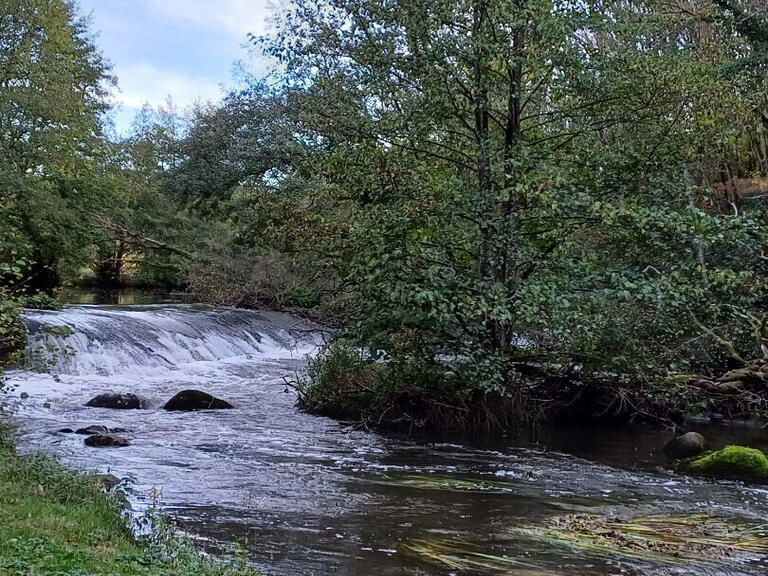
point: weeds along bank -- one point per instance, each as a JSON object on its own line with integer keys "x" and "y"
{"x": 54, "y": 520}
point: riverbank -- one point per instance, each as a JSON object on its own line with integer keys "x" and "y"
{"x": 344, "y": 383}
{"x": 54, "y": 520}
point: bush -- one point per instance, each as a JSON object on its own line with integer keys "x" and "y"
{"x": 402, "y": 393}
{"x": 341, "y": 383}
{"x": 13, "y": 334}
{"x": 40, "y": 301}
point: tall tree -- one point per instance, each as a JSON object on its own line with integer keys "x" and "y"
{"x": 53, "y": 83}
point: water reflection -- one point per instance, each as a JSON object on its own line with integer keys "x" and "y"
{"x": 119, "y": 297}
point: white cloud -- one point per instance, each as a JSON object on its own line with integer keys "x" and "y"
{"x": 144, "y": 83}
{"x": 236, "y": 18}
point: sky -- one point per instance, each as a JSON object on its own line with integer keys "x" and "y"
{"x": 185, "y": 49}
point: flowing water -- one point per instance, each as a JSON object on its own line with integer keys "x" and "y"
{"x": 310, "y": 496}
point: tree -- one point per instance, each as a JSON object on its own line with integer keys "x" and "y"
{"x": 518, "y": 181}
{"x": 53, "y": 84}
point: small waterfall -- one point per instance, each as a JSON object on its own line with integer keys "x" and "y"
{"x": 84, "y": 340}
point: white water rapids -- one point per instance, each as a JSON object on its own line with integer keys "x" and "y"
{"x": 307, "y": 495}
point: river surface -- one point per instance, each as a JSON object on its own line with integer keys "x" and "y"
{"x": 310, "y": 496}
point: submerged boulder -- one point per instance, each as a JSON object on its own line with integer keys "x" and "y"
{"x": 734, "y": 463}
{"x": 106, "y": 441}
{"x": 118, "y": 401}
{"x": 685, "y": 446}
{"x": 190, "y": 400}
{"x": 90, "y": 430}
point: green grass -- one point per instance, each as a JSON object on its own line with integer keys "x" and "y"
{"x": 58, "y": 522}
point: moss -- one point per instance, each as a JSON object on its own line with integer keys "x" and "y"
{"x": 733, "y": 462}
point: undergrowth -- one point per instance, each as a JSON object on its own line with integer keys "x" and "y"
{"x": 403, "y": 393}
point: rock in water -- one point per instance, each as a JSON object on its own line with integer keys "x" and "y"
{"x": 91, "y": 430}
{"x": 189, "y": 400}
{"x": 118, "y": 401}
{"x": 106, "y": 441}
{"x": 685, "y": 446}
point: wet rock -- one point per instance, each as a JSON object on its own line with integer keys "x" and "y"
{"x": 65, "y": 431}
{"x": 118, "y": 401}
{"x": 24, "y": 395}
{"x": 685, "y": 446}
{"x": 90, "y": 430}
{"x": 733, "y": 463}
{"x": 189, "y": 400}
{"x": 106, "y": 441}
{"x": 107, "y": 481}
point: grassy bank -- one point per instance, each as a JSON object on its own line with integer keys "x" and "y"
{"x": 57, "y": 521}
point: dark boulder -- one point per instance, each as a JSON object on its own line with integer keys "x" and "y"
{"x": 118, "y": 401}
{"x": 189, "y": 400}
{"x": 90, "y": 430}
{"x": 685, "y": 446}
{"x": 65, "y": 431}
{"x": 106, "y": 441}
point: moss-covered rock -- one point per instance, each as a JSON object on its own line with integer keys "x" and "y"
{"x": 732, "y": 462}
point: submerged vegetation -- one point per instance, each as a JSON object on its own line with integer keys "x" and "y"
{"x": 658, "y": 540}
{"x": 663, "y": 538}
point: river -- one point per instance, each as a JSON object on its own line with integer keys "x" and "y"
{"x": 311, "y": 496}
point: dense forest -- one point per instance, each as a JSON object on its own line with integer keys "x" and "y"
{"x": 502, "y": 210}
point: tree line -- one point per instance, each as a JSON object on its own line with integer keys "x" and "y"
{"x": 502, "y": 208}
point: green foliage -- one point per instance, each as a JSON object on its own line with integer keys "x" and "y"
{"x": 40, "y": 301}
{"x": 69, "y": 197}
{"x": 466, "y": 186}
{"x": 53, "y": 84}
{"x": 575, "y": 224}
{"x": 457, "y": 187}
{"x": 733, "y": 462}
{"x": 13, "y": 334}
{"x": 341, "y": 383}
